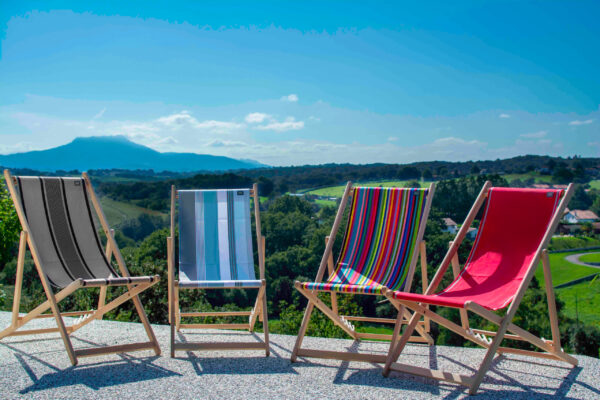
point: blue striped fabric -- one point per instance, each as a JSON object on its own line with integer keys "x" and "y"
{"x": 215, "y": 240}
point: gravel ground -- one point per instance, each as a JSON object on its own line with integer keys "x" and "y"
{"x": 38, "y": 367}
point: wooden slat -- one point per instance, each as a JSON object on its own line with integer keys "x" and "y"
{"x": 219, "y": 346}
{"x": 217, "y": 314}
{"x": 433, "y": 373}
{"x": 122, "y": 348}
{"x": 383, "y": 336}
{"x": 508, "y": 350}
{"x": 340, "y": 355}
{"x": 67, "y": 314}
{"x": 492, "y": 333}
{"x": 370, "y": 319}
{"x": 214, "y": 326}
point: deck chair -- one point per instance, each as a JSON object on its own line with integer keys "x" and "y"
{"x": 513, "y": 236}
{"x": 215, "y": 252}
{"x": 383, "y": 239}
{"x": 59, "y": 230}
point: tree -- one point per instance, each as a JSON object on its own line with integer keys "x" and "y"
{"x": 580, "y": 200}
{"x": 475, "y": 170}
{"x": 9, "y": 227}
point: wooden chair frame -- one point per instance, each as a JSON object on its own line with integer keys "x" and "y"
{"x": 85, "y": 317}
{"x": 343, "y": 321}
{"x": 259, "y": 311}
{"x": 488, "y": 339}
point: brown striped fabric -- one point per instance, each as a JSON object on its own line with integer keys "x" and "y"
{"x": 60, "y": 220}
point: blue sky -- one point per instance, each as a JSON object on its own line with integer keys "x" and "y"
{"x": 289, "y": 83}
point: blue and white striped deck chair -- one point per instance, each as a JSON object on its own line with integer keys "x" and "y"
{"x": 215, "y": 252}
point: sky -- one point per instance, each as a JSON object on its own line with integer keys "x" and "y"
{"x": 311, "y": 82}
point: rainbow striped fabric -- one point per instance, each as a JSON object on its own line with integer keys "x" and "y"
{"x": 379, "y": 243}
{"x": 215, "y": 240}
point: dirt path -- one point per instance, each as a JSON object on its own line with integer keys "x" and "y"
{"x": 574, "y": 258}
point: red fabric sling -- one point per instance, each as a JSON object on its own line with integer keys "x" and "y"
{"x": 512, "y": 228}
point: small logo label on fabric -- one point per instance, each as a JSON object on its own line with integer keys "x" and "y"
{"x": 240, "y": 192}
{"x": 549, "y": 194}
{"x": 77, "y": 183}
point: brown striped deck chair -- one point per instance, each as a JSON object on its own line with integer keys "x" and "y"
{"x": 56, "y": 216}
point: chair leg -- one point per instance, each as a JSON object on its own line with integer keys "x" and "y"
{"x": 172, "y": 319}
{"x": 487, "y": 360}
{"x": 265, "y": 322}
{"x": 397, "y": 328}
{"x": 393, "y": 355}
{"x": 307, "y": 313}
{"x": 144, "y": 318}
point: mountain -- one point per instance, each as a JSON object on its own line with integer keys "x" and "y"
{"x": 108, "y": 152}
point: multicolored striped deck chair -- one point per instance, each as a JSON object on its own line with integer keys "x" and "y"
{"x": 513, "y": 236}
{"x": 384, "y": 238}
{"x": 59, "y": 230}
{"x": 215, "y": 252}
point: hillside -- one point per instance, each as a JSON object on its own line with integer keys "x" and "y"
{"x": 117, "y": 152}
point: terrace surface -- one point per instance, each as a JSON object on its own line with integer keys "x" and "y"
{"x": 38, "y": 367}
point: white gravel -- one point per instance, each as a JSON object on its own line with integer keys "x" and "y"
{"x": 38, "y": 367}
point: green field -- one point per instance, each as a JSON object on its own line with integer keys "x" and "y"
{"x": 595, "y": 184}
{"x": 117, "y": 212}
{"x": 582, "y": 301}
{"x": 590, "y": 258}
{"x": 338, "y": 191}
{"x": 562, "y": 270}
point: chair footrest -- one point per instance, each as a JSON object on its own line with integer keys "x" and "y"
{"x": 122, "y": 348}
{"x": 342, "y": 355}
{"x": 214, "y": 326}
{"x": 433, "y": 373}
{"x": 219, "y": 346}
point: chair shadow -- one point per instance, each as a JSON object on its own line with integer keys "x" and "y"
{"x": 95, "y": 375}
{"x": 236, "y": 365}
{"x": 495, "y": 376}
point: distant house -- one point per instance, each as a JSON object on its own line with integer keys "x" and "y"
{"x": 580, "y": 216}
{"x": 450, "y": 226}
{"x": 472, "y": 233}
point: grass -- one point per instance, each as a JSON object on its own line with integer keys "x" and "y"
{"x": 595, "y": 184}
{"x": 582, "y": 301}
{"x": 337, "y": 191}
{"x": 323, "y": 203}
{"x": 590, "y": 258}
{"x": 562, "y": 270}
{"x": 117, "y": 212}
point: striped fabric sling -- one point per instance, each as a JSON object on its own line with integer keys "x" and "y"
{"x": 215, "y": 240}
{"x": 379, "y": 243}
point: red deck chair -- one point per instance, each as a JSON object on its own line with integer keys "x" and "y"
{"x": 515, "y": 229}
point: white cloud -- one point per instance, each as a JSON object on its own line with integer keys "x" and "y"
{"x": 226, "y": 143}
{"x": 578, "y": 122}
{"x": 504, "y": 115}
{"x": 534, "y": 135}
{"x": 184, "y": 119}
{"x": 292, "y": 98}
{"x": 290, "y": 124}
{"x": 256, "y": 117}
{"x": 393, "y": 139}
{"x": 100, "y": 114}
